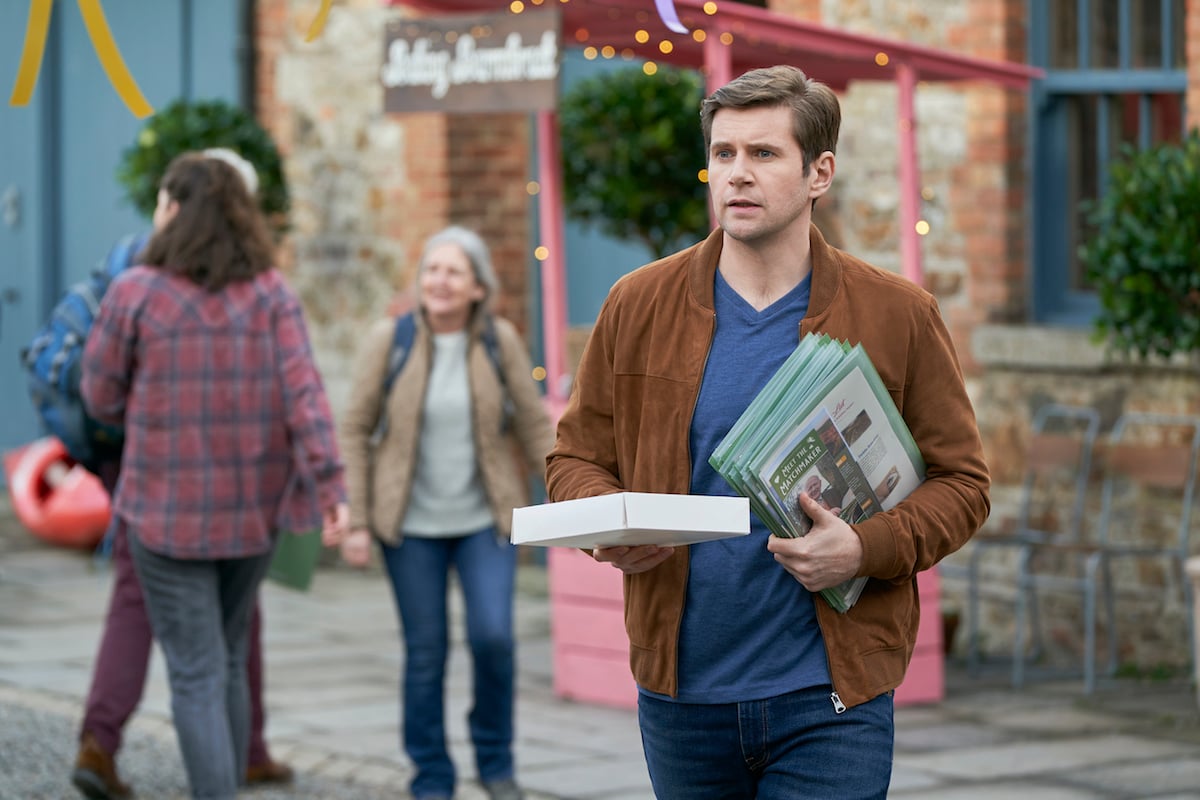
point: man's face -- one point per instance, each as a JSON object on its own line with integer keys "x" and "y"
{"x": 756, "y": 174}
{"x": 813, "y": 487}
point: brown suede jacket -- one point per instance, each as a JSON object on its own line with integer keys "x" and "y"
{"x": 379, "y": 495}
{"x": 625, "y": 428}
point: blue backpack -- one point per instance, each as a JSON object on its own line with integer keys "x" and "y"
{"x": 402, "y": 340}
{"x": 51, "y": 361}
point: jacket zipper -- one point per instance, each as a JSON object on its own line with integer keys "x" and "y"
{"x": 838, "y": 706}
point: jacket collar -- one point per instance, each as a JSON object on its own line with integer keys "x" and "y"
{"x": 826, "y": 273}
{"x": 826, "y": 270}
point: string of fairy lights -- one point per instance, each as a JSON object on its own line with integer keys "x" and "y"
{"x": 668, "y": 15}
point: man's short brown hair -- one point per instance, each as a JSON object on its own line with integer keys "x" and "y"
{"x": 816, "y": 113}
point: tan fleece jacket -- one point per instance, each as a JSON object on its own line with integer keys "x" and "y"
{"x": 378, "y": 497}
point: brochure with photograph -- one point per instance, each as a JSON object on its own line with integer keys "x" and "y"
{"x": 824, "y": 425}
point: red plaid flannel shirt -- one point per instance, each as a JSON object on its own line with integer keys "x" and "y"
{"x": 223, "y": 409}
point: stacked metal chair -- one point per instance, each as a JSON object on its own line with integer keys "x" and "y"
{"x": 1148, "y": 467}
{"x": 1054, "y": 488}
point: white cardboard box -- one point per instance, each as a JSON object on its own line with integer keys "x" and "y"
{"x": 631, "y": 518}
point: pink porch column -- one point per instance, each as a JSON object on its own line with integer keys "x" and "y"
{"x": 553, "y": 266}
{"x": 910, "y": 191}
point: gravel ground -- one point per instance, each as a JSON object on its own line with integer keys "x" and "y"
{"x": 38, "y": 742}
{"x": 37, "y": 749}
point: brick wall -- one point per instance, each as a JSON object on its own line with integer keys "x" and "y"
{"x": 473, "y": 171}
{"x": 489, "y": 171}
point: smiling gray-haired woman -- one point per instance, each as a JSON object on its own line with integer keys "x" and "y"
{"x": 436, "y": 487}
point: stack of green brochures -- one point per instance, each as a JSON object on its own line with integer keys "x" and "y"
{"x": 824, "y": 424}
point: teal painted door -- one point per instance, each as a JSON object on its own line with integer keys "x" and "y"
{"x": 21, "y": 246}
{"x": 59, "y": 154}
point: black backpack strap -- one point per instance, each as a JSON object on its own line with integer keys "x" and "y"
{"x": 402, "y": 342}
{"x": 491, "y": 343}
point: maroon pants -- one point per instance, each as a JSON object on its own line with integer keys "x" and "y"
{"x": 119, "y": 674}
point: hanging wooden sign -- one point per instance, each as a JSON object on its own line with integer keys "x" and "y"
{"x": 471, "y": 64}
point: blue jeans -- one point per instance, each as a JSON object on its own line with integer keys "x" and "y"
{"x": 200, "y": 614}
{"x": 420, "y": 569}
{"x": 784, "y": 748}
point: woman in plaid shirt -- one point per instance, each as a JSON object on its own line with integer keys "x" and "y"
{"x": 202, "y": 354}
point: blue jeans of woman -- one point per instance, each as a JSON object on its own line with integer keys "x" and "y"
{"x": 200, "y": 611}
{"x": 419, "y": 569}
{"x": 783, "y": 748}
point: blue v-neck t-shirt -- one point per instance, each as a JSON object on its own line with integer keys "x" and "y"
{"x": 749, "y": 629}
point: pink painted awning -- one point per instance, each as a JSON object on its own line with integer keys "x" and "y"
{"x": 758, "y": 38}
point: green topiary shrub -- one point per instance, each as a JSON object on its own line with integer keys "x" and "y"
{"x": 1144, "y": 258}
{"x": 184, "y": 126}
{"x": 632, "y": 152}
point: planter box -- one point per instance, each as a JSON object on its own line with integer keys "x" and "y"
{"x": 591, "y": 651}
{"x": 587, "y": 626}
{"x": 925, "y": 681}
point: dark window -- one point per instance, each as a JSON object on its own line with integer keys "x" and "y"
{"x": 1115, "y": 74}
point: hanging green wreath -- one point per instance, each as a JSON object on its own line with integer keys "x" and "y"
{"x": 184, "y": 126}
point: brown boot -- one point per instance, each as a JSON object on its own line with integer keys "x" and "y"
{"x": 95, "y": 773}
{"x": 268, "y": 772}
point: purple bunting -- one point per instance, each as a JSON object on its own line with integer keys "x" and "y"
{"x": 670, "y": 18}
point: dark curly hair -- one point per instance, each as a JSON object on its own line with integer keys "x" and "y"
{"x": 219, "y": 235}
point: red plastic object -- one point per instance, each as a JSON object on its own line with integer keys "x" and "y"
{"x": 55, "y": 498}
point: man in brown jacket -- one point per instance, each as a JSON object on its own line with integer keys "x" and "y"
{"x": 750, "y": 685}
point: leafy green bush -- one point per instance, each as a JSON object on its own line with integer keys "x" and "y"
{"x": 632, "y": 152}
{"x": 1144, "y": 258}
{"x": 184, "y": 126}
